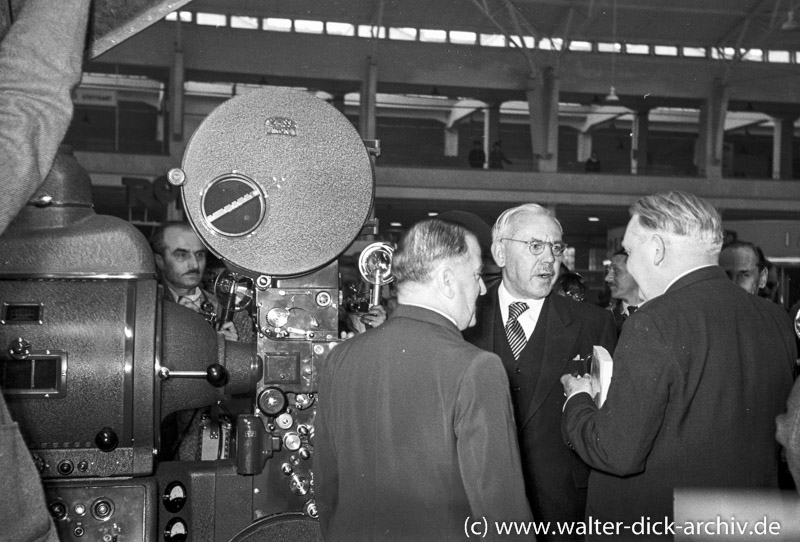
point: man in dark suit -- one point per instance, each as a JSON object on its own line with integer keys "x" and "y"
{"x": 415, "y": 434}
{"x": 700, "y": 373}
{"x": 552, "y": 334}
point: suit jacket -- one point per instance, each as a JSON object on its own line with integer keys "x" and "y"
{"x": 414, "y": 434}
{"x": 555, "y": 477}
{"x": 700, "y": 374}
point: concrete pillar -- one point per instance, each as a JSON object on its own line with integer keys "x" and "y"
{"x": 369, "y": 92}
{"x": 782, "y": 145}
{"x": 177, "y": 76}
{"x": 641, "y": 126}
{"x": 712, "y": 131}
{"x": 542, "y": 94}
{"x": 451, "y": 142}
{"x": 584, "y": 146}
{"x": 491, "y": 126}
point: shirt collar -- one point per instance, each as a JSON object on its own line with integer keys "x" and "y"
{"x": 504, "y": 299}
{"x": 191, "y": 297}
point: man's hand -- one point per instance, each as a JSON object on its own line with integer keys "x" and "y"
{"x": 577, "y": 384}
{"x": 228, "y": 332}
{"x": 375, "y": 316}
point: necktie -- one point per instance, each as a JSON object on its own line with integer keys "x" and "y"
{"x": 632, "y": 309}
{"x": 514, "y": 331}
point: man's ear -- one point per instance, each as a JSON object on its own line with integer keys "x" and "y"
{"x": 499, "y": 253}
{"x": 660, "y": 248}
{"x": 446, "y": 280}
{"x": 762, "y": 278}
{"x": 159, "y": 262}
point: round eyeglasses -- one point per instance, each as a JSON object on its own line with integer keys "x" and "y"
{"x": 536, "y": 246}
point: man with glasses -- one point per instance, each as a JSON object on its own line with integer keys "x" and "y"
{"x": 539, "y": 336}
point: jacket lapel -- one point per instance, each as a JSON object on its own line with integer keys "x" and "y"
{"x": 560, "y": 337}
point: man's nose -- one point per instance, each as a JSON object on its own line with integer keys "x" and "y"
{"x": 548, "y": 253}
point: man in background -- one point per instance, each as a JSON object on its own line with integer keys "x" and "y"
{"x": 745, "y": 265}
{"x": 700, "y": 374}
{"x": 477, "y": 156}
{"x": 414, "y": 432}
{"x": 181, "y": 261}
{"x": 623, "y": 288}
{"x": 539, "y": 335}
{"x": 180, "y": 258}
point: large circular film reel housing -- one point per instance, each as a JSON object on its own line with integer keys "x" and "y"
{"x": 276, "y": 182}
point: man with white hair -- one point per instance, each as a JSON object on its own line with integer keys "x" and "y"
{"x": 539, "y": 336}
{"x": 700, "y": 373}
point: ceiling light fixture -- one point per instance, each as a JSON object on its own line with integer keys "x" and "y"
{"x": 612, "y": 94}
{"x": 593, "y": 219}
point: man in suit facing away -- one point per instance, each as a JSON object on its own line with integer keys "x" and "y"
{"x": 415, "y": 433}
{"x": 540, "y": 335}
{"x": 700, "y": 372}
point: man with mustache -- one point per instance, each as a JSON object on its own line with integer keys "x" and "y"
{"x": 539, "y": 336}
{"x": 181, "y": 261}
{"x": 180, "y": 257}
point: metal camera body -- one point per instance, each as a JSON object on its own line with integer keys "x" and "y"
{"x": 277, "y": 184}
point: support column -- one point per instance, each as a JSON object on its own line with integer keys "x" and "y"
{"x": 641, "y": 126}
{"x": 712, "y": 131}
{"x": 451, "y": 142}
{"x": 584, "y": 146}
{"x": 491, "y": 127}
{"x": 369, "y": 92}
{"x": 542, "y": 95}
{"x": 782, "y": 146}
{"x": 177, "y": 77}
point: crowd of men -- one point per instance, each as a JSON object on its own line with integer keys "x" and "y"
{"x": 469, "y": 406}
{"x": 701, "y": 365}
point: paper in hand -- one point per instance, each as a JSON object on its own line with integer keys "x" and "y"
{"x": 602, "y": 368}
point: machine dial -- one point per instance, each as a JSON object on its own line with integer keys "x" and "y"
{"x": 233, "y": 205}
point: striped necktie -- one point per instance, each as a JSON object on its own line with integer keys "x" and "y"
{"x": 514, "y": 331}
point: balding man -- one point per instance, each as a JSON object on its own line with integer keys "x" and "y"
{"x": 700, "y": 373}
{"x": 415, "y": 435}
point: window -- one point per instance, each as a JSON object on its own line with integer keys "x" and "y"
{"x": 212, "y": 19}
{"x": 309, "y": 27}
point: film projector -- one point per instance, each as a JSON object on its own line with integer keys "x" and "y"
{"x": 277, "y": 184}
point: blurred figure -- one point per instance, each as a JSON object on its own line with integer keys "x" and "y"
{"x": 477, "y": 156}
{"x": 571, "y": 285}
{"x": 771, "y": 290}
{"x": 497, "y": 157}
{"x": 41, "y": 58}
{"x": 481, "y": 230}
{"x": 701, "y": 369}
{"x": 623, "y": 288}
{"x": 415, "y": 431}
{"x": 745, "y": 265}
{"x": 592, "y": 163}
